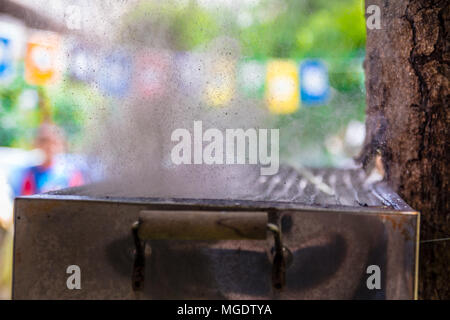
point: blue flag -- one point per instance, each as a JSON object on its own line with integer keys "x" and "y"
{"x": 314, "y": 84}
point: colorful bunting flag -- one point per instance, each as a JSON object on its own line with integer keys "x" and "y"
{"x": 115, "y": 73}
{"x": 151, "y": 76}
{"x": 6, "y": 58}
{"x": 12, "y": 40}
{"x": 282, "y": 87}
{"x": 220, "y": 86}
{"x": 251, "y": 78}
{"x": 43, "y": 59}
{"x": 83, "y": 63}
{"x": 315, "y": 89}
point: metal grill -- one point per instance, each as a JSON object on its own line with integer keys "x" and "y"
{"x": 301, "y": 234}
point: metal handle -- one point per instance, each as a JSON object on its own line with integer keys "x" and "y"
{"x": 202, "y": 225}
{"x": 205, "y": 225}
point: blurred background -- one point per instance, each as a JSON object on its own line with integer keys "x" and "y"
{"x": 73, "y": 70}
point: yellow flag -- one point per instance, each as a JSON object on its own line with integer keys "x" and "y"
{"x": 220, "y": 87}
{"x": 282, "y": 85}
{"x": 42, "y": 58}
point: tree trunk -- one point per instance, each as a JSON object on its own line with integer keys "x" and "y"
{"x": 407, "y": 78}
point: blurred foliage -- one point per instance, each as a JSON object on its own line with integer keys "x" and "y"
{"x": 333, "y": 31}
{"x": 314, "y": 28}
{"x": 73, "y": 103}
{"x": 296, "y": 29}
{"x": 15, "y": 124}
{"x": 64, "y": 104}
{"x": 193, "y": 27}
{"x": 169, "y": 25}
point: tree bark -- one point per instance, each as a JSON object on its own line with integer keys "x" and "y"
{"x": 407, "y": 84}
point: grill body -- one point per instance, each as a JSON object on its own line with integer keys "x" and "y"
{"x": 331, "y": 245}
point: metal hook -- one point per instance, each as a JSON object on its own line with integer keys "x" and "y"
{"x": 138, "y": 276}
{"x": 279, "y": 259}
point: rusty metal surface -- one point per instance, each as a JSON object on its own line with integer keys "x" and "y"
{"x": 331, "y": 245}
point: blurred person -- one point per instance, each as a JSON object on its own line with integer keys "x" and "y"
{"x": 49, "y": 175}
{"x": 6, "y": 259}
{"x": 6, "y": 237}
{"x": 6, "y": 203}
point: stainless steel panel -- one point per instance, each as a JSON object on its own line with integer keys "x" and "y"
{"x": 332, "y": 247}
